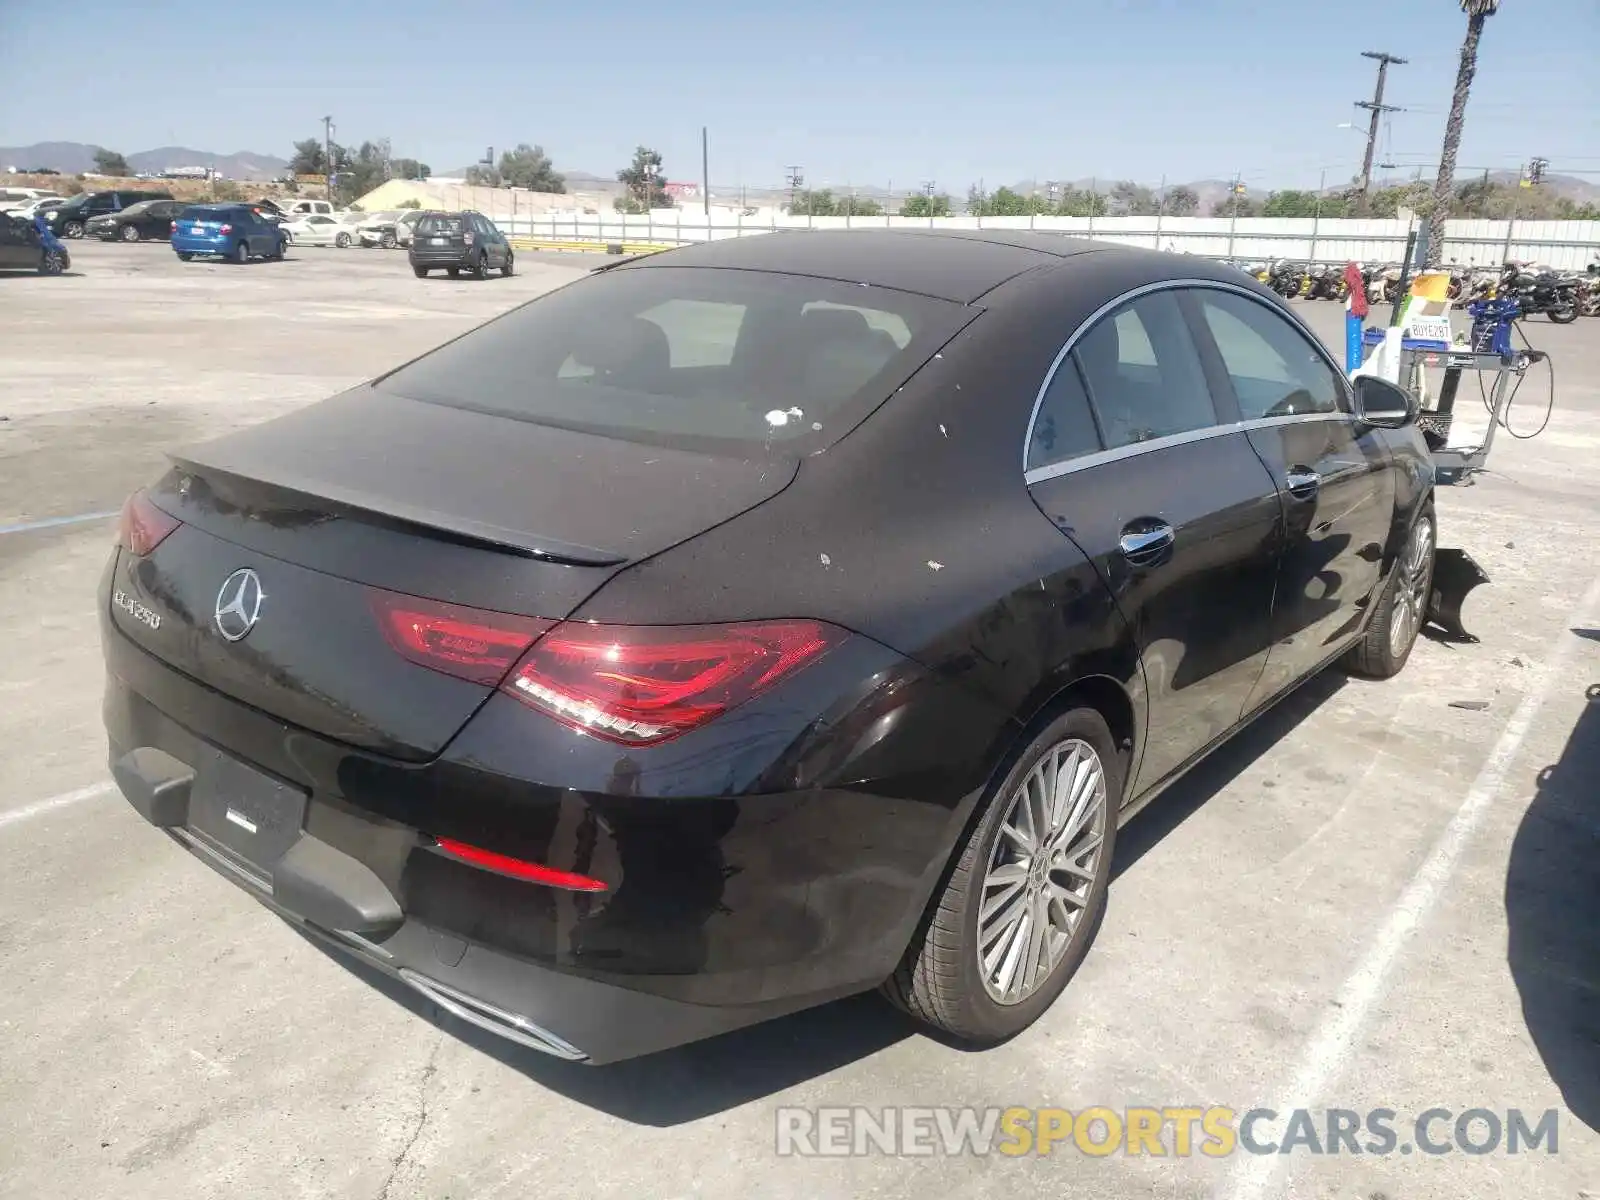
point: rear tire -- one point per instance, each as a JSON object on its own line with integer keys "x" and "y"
{"x": 241, "y": 252}
{"x": 453, "y": 272}
{"x": 388, "y": 241}
{"x": 72, "y": 229}
{"x": 480, "y": 268}
{"x": 511, "y": 265}
{"x": 130, "y": 233}
{"x": 975, "y": 969}
{"x": 420, "y": 272}
{"x": 342, "y": 241}
{"x": 51, "y": 262}
{"x": 1402, "y": 609}
{"x": 1564, "y": 316}
{"x": 185, "y": 256}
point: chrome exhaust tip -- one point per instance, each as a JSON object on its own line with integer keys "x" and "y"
{"x": 509, "y": 1025}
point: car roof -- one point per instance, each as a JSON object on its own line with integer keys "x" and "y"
{"x": 959, "y": 265}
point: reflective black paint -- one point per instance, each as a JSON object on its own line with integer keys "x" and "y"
{"x": 782, "y": 854}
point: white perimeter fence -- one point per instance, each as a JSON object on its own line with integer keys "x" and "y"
{"x": 1561, "y": 245}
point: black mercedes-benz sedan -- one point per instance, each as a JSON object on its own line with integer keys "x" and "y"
{"x": 757, "y": 623}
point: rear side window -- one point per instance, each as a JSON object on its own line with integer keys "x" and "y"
{"x": 710, "y": 359}
{"x": 1143, "y": 373}
{"x": 1275, "y": 370}
{"x": 1064, "y": 426}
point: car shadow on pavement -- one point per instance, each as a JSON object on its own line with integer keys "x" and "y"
{"x": 1553, "y": 915}
{"x": 1220, "y": 768}
{"x": 689, "y": 1082}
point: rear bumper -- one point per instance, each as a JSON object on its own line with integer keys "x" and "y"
{"x": 720, "y": 912}
{"x": 194, "y": 245}
{"x": 427, "y": 257}
{"x": 554, "y": 1012}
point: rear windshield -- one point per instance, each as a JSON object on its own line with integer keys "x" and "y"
{"x": 440, "y": 224}
{"x": 694, "y": 357}
{"x": 197, "y": 212}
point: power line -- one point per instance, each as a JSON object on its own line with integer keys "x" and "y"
{"x": 1377, "y": 108}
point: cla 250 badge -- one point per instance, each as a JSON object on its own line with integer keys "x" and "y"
{"x": 136, "y": 610}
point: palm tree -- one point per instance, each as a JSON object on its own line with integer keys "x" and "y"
{"x": 1478, "y": 11}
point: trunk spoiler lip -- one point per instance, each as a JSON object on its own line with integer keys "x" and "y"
{"x": 426, "y": 521}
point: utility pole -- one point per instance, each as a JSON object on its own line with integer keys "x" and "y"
{"x": 795, "y": 179}
{"x": 1233, "y": 203}
{"x": 1536, "y": 170}
{"x": 705, "y": 173}
{"x": 1378, "y": 108}
{"x": 327, "y": 153}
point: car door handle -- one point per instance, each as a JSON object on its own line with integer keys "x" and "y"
{"x": 1146, "y": 543}
{"x": 1302, "y": 482}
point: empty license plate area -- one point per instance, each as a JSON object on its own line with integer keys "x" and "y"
{"x": 244, "y": 810}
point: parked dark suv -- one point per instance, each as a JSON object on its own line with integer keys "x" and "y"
{"x": 71, "y": 218}
{"x": 459, "y": 241}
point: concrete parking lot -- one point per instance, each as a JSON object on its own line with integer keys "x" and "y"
{"x": 1372, "y": 899}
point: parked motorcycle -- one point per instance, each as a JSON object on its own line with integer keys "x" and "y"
{"x": 1328, "y": 283}
{"x": 1589, "y": 291}
{"x": 1556, "y": 296}
{"x": 1286, "y": 278}
{"x": 1383, "y": 283}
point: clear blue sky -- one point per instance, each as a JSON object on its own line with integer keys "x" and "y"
{"x": 854, "y": 90}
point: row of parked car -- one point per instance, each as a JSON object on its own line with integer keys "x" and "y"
{"x": 453, "y": 242}
{"x": 135, "y": 214}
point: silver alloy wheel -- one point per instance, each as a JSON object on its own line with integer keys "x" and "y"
{"x": 1041, "y": 870}
{"x": 1411, "y": 594}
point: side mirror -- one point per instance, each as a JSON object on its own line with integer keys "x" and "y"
{"x": 1384, "y": 404}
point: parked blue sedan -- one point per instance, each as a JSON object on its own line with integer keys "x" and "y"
{"x": 230, "y": 231}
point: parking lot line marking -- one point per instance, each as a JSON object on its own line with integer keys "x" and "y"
{"x": 27, "y": 811}
{"x": 52, "y": 522}
{"x": 1335, "y": 1040}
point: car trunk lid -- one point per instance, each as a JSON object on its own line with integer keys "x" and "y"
{"x": 342, "y": 507}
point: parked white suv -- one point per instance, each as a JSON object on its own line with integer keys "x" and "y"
{"x": 297, "y": 209}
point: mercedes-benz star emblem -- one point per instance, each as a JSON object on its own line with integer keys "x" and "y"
{"x": 238, "y": 604}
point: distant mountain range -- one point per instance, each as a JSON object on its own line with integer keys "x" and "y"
{"x": 74, "y": 158}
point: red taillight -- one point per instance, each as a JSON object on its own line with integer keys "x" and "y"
{"x": 143, "y": 526}
{"x": 174, "y": 227}
{"x": 469, "y": 643}
{"x": 225, "y": 229}
{"x": 518, "y": 868}
{"x": 637, "y": 685}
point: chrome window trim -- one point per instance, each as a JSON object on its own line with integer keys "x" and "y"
{"x": 1100, "y": 457}
{"x": 1052, "y": 470}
